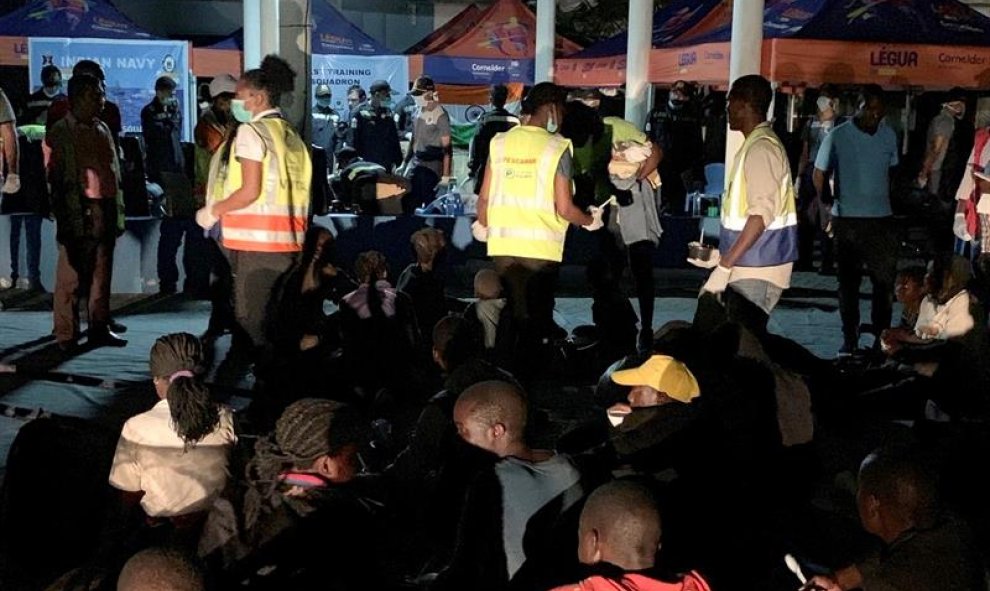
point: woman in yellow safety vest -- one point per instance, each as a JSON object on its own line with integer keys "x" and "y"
{"x": 259, "y": 192}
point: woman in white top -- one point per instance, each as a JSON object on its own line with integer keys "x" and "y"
{"x": 175, "y": 455}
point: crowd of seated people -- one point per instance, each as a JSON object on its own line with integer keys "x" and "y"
{"x": 375, "y": 457}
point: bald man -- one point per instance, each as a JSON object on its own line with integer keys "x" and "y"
{"x": 160, "y": 569}
{"x": 503, "y": 501}
{"x": 619, "y": 534}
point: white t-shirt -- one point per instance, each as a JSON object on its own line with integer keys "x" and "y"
{"x": 176, "y": 479}
{"x": 248, "y": 145}
{"x": 947, "y": 321}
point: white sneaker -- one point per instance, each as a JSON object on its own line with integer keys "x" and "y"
{"x": 6, "y": 283}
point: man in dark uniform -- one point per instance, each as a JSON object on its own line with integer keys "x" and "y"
{"x": 36, "y": 110}
{"x": 329, "y": 129}
{"x": 495, "y": 121}
{"x": 161, "y": 126}
{"x": 676, "y": 128}
{"x": 376, "y": 137}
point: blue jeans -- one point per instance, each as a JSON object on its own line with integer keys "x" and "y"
{"x": 32, "y": 237}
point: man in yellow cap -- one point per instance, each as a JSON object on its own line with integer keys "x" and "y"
{"x": 660, "y": 380}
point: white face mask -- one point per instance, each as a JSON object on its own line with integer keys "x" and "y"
{"x": 825, "y": 103}
{"x": 420, "y": 101}
{"x": 552, "y": 125}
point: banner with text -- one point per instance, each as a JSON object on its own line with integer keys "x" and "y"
{"x": 471, "y": 70}
{"x": 131, "y": 68}
{"x": 342, "y": 71}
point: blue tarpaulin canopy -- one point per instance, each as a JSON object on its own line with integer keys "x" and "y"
{"x": 70, "y": 18}
{"x": 927, "y": 22}
{"x": 669, "y": 23}
{"x": 335, "y": 35}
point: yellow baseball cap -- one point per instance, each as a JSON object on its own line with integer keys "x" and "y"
{"x": 664, "y": 374}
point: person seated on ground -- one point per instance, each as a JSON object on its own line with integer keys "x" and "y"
{"x": 160, "y": 569}
{"x": 944, "y": 313}
{"x": 431, "y": 475}
{"x": 619, "y": 536}
{"x": 173, "y": 458}
{"x": 946, "y": 351}
{"x": 487, "y": 311}
{"x": 922, "y": 548}
{"x": 709, "y": 425}
{"x": 378, "y": 326}
{"x": 298, "y": 520}
{"x": 909, "y": 289}
{"x": 424, "y": 282}
{"x": 519, "y": 498}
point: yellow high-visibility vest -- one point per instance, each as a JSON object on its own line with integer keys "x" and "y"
{"x": 277, "y": 220}
{"x": 522, "y": 218}
{"x": 778, "y": 243}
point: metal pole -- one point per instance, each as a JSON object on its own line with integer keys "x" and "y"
{"x": 638, "y": 60}
{"x": 745, "y": 58}
{"x": 270, "y": 23}
{"x": 546, "y": 23}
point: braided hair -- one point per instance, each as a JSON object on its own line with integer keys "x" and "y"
{"x": 178, "y": 358}
{"x": 307, "y": 430}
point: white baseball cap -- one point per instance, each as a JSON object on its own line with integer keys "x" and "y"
{"x": 224, "y": 83}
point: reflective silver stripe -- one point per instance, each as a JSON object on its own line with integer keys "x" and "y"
{"x": 540, "y": 234}
{"x": 533, "y": 203}
{"x": 39, "y": 103}
{"x": 262, "y": 236}
{"x": 501, "y": 119}
{"x": 271, "y": 209}
{"x": 270, "y": 190}
{"x": 778, "y": 223}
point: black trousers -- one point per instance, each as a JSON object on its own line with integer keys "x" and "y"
{"x": 254, "y": 277}
{"x": 639, "y": 257}
{"x": 172, "y": 232}
{"x": 869, "y": 243}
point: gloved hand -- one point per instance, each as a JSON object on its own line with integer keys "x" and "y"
{"x": 205, "y": 218}
{"x": 479, "y": 232}
{"x": 12, "y": 184}
{"x": 718, "y": 280}
{"x": 959, "y": 228}
{"x": 596, "y": 219}
{"x": 445, "y": 180}
{"x": 711, "y": 263}
{"x": 797, "y": 187}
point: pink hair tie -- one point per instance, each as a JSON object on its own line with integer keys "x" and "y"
{"x": 182, "y": 373}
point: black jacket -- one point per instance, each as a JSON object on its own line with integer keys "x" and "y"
{"x": 161, "y": 127}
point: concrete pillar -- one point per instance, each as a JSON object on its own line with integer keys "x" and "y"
{"x": 252, "y": 33}
{"x": 546, "y": 24}
{"x": 745, "y": 58}
{"x": 294, "y": 34}
{"x": 638, "y": 60}
{"x": 270, "y": 22}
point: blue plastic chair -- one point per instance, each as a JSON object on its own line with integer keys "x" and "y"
{"x": 715, "y": 178}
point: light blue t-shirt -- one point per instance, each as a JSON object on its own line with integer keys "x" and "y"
{"x": 862, "y": 164}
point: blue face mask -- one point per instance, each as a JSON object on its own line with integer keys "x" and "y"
{"x": 324, "y": 102}
{"x": 239, "y": 111}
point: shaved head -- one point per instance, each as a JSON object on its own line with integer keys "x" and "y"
{"x": 620, "y": 524}
{"x": 160, "y": 569}
{"x": 491, "y": 414}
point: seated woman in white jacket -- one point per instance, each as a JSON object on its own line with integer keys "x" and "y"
{"x": 174, "y": 456}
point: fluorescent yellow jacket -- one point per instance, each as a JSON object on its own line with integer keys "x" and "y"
{"x": 778, "y": 243}
{"x": 522, "y": 218}
{"x": 277, "y": 220}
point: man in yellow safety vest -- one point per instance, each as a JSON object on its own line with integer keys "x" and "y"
{"x": 524, "y": 207}
{"x": 758, "y": 241}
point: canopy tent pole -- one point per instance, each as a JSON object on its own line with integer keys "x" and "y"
{"x": 745, "y": 58}
{"x": 639, "y": 44}
{"x": 546, "y": 24}
{"x": 270, "y": 23}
